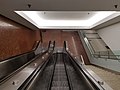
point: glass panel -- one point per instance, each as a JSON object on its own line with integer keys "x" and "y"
{"x": 108, "y": 54}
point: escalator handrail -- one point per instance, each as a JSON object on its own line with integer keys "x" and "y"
{"x": 22, "y": 53}
{"x": 37, "y": 71}
{"x": 26, "y": 56}
{"x": 64, "y": 46}
{"x": 49, "y": 45}
{"x": 71, "y": 58}
{"x": 35, "y": 46}
{"x": 99, "y": 87}
{"x": 53, "y": 45}
{"x": 69, "y": 81}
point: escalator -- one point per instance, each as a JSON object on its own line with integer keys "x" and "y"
{"x": 16, "y": 70}
{"x": 59, "y": 71}
{"x": 60, "y": 74}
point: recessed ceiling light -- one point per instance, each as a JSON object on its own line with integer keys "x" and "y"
{"x": 35, "y": 17}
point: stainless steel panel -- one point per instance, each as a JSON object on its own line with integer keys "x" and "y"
{"x": 12, "y": 64}
{"x": 16, "y": 81}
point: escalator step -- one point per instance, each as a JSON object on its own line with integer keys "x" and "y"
{"x": 60, "y": 79}
{"x": 59, "y": 83}
{"x": 60, "y": 88}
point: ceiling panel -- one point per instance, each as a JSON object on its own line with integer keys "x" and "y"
{"x": 63, "y": 15}
{"x": 7, "y": 8}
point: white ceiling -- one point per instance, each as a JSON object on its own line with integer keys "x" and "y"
{"x": 67, "y": 19}
{"x": 7, "y": 8}
{"x": 63, "y": 15}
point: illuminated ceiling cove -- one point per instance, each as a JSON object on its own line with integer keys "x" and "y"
{"x": 67, "y": 19}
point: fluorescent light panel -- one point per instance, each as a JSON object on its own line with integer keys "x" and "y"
{"x": 37, "y": 20}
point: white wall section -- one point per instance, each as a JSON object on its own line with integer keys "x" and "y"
{"x": 111, "y": 36}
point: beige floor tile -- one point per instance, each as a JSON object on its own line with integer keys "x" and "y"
{"x": 112, "y": 79}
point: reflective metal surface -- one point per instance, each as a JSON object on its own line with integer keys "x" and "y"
{"x": 16, "y": 81}
{"x": 65, "y": 76}
{"x": 12, "y": 64}
{"x": 92, "y": 76}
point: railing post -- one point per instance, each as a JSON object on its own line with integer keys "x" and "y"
{"x": 83, "y": 63}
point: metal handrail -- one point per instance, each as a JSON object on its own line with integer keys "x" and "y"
{"x": 69, "y": 81}
{"x": 22, "y": 53}
{"x": 80, "y": 68}
{"x": 35, "y": 46}
{"x": 36, "y": 72}
{"x": 106, "y": 55}
{"x": 88, "y": 42}
{"x": 73, "y": 60}
{"x": 10, "y": 74}
{"x": 39, "y": 69}
{"x": 49, "y": 45}
{"x": 100, "y": 55}
{"x": 54, "y": 45}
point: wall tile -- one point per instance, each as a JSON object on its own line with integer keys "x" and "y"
{"x": 15, "y": 39}
{"x": 74, "y": 42}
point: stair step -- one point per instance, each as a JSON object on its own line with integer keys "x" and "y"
{"x": 59, "y": 83}
{"x": 60, "y": 78}
{"x": 60, "y": 88}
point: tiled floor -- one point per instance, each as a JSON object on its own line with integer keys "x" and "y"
{"x": 74, "y": 42}
{"x": 112, "y": 79}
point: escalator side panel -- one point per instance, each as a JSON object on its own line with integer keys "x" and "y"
{"x": 77, "y": 79}
{"x": 42, "y": 80}
{"x": 65, "y": 75}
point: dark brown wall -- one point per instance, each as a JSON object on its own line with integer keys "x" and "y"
{"x": 52, "y": 35}
{"x": 74, "y": 42}
{"x": 15, "y": 39}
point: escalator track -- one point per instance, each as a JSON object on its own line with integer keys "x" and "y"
{"x": 60, "y": 74}
{"x": 60, "y": 80}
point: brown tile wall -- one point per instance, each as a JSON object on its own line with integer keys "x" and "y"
{"x": 52, "y": 35}
{"x": 15, "y": 39}
{"x": 74, "y": 42}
